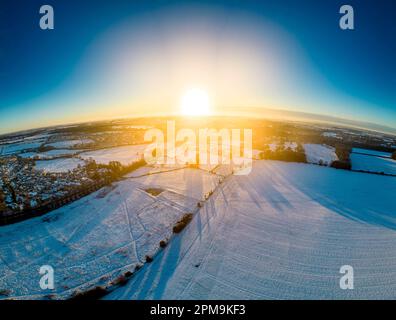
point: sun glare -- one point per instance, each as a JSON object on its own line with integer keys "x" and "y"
{"x": 195, "y": 102}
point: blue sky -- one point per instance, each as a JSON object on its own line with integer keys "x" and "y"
{"x": 74, "y": 72}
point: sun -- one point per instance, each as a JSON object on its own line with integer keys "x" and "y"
{"x": 195, "y": 102}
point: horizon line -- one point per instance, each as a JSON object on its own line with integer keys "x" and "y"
{"x": 294, "y": 116}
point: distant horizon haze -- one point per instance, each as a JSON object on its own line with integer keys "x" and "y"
{"x": 246, "y": 113}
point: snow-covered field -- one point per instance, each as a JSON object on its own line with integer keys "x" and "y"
{"x": 125, "y": 155}
{"x": 49, "y": 154}
{"x": 96, "y": 238}
{"x": 372, "y": 163}
{"x": 69, "y": 143}
{"x": 371, "y": 152}
{"x": 318, "y": 153}
{"x": 36, "y": 141}
{"x": 283, "y": 232}
{"x": 15, "y": 148}
{"x": 58, "y": 165}
{"x": 34, "y": 138}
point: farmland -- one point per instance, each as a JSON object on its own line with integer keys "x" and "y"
{"x": 283, "y": 232}
{"x": 186, "y": 231}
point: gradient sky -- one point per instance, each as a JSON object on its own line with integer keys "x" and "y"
{"x": 118, "y": 58}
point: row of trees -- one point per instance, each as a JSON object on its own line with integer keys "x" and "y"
{"x": 284, "y": 154}
{"x": 112, "y": 171}
{"x": 343, "y": 161}
{"x": 3, "y": 206}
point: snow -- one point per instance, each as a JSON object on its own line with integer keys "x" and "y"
{"x": 273, "y": 146}
{"x": 292, "y": 145}
{"x": 69, "y": 143}
{"x": 49, "y": 154}
{"x": 96, "y": 238}
{"x": 15, "y": 148}
{"x": 330, "y": 134}
{"x": 41, "y": 136}
{"x": 371, "y": 152}
{"x": 58, "y": 165}
{"x": 283, "y": 232}
{"x": 191, "y": 183}
{"x": 37, "y": 138}
{"x": 372, "y": 163}
{"x": 125, "y": 155}
{"x": 27, "y": 155}
{"x": 317, "y": 153}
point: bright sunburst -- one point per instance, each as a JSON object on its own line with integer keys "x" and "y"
{"x": 195, "y": 102}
